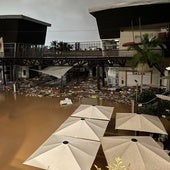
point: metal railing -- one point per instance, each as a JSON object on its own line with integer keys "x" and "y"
{"x": 33, "y": 51}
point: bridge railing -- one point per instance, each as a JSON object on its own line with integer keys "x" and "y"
{"x": 44, "y": 51}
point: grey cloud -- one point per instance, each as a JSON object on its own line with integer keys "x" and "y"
{"x": 70, "y": 19}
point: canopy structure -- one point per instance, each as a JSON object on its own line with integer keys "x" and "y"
{"x": 163, "y": 97}
{"x": 83, "y": 128}
{"x": 139, "y": 122}
{"x": 137, "y": 153}
{"x": 93, "y": 112}
{"x": 115, "y": 17}
{"x": 56, "y": 71}
{"x": 63, "y": 153}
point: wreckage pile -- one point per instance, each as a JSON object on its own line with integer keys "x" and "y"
{"x": 82, "y": 88}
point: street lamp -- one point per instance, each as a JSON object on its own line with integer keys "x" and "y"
{"x": 135, "y": 105}
{"x": 136, "y": 90}
{"x": 168, "y": 81}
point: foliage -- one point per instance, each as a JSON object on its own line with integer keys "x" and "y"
{"x": 118, "y": 165}
{"x": 162, "y": 106}
{"x": 146, "y": 96}
{"x": 60, "y": 46}
{"x": 150, "y": 109}
{"x": 153, "y": 105}
{"x": 54, "y": 45}
{"x": 158, "y": 108}
{"x": 146, "y": 51}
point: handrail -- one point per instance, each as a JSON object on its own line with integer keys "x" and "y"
{"x": 154, "y": 98}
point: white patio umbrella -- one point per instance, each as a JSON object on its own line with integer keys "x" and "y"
{"x": 84, "y": 128}
{"x": 94, "y": 112}
{"x": 139, "y": 122}
{"x": 137, "y": 153}
{"x": 63, "y": 153}
{"x": 163, "y": 97}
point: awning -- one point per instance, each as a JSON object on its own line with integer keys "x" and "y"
{"x": 56, "y": 71}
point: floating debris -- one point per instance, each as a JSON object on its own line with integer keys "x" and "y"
{"x": 86, "y": 89}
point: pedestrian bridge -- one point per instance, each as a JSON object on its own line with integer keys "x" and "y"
{"x": 70, "y": 58}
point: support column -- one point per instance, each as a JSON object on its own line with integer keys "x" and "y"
{"x": 3, "y": 72}
{"x": 103, "y": 75}
{"x": 98, "y": 77}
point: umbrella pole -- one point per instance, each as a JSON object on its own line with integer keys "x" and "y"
{"x": 136, "y": 133}
{"x": 133, "y": 106}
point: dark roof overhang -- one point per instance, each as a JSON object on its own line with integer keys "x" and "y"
{"x": 112, "y": 20}
{"x": 23, "y": 17}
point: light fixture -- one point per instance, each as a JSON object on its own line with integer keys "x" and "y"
{"x": 168, "y": 68}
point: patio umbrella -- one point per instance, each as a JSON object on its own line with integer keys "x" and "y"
{"x": 63, "y": 153}
{"x": 85, "y": 128}
{"x": 94, "y": 112}
{"x": 137, "y": 153}
{"x": 139, "y": 122}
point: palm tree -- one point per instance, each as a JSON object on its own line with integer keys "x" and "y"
{"x": 54, "y": 46}
{"x": 63, "y": 46}
{"x": 60, "y": 46}
{"x": 146, "y": 53}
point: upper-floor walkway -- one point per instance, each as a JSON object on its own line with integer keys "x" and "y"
{"x": 89, "y": 53}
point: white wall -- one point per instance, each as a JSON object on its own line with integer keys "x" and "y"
{"x": 122, "y": 78}
{"x": 155, "y": 77}
{"x": 133, "y": 36}
{"x": 23, "y": 72}
{"x": 132, "y": 76}
{"x": 127, "y": 77}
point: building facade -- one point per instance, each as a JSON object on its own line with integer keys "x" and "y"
{"x": 22, "y": 37}
{"x": 127, "y": 22}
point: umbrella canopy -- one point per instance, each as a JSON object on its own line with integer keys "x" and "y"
{"x": 54, "y": 71}
{"x": 163, "y": 97}
{"x": 139, "y": 122}
{"x": 91, "y": 129}
{"x": 137, "y": 153}
{"x": 94, "y": 112}
{"x": 63, "y": 153}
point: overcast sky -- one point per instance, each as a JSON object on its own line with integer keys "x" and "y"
{"x": 70, "y": 19}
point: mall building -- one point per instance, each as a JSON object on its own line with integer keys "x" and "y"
{"x": 127, "y": 22}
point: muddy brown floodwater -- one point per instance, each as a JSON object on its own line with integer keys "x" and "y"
{"x": 26, "y": 122}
